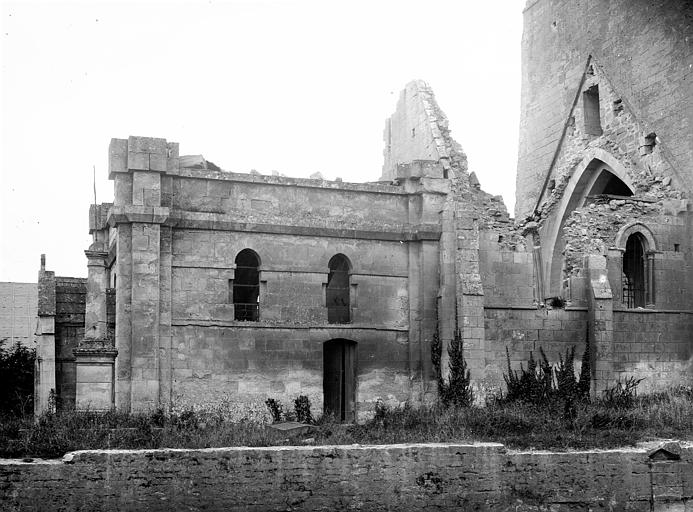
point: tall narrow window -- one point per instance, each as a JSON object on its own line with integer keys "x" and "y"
{"x": 590, "y": 104}
{"x": 337, "y": 296}
{"x": 246, "y": 286}
{"x": 638, "y": 273}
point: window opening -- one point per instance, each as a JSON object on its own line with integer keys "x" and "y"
{"x": 638, "y": 273}
{"x": 246, "y": 287}
{"x": 337, "y": 294}
{"x": 590, "y": 104}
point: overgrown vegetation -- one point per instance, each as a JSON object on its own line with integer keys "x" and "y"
{"x": 545, "y": 407}
{"x": 16, "y": 379}
{"x": 599, "y": 424}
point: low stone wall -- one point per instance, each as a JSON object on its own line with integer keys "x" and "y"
{"x": 391, "y": 477}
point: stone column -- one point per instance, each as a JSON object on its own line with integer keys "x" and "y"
{"x": 95, "y": 354}
{"x": 143, "y": 262}
{"x": 470, "y": 291}
{"x": 97, "y": 282}
{"x": 44, "y": 373}
{"x": 447, "y": 308}
{"x": 601, "y": 325}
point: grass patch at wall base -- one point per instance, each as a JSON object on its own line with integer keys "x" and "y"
{"x": 597, "y": 424}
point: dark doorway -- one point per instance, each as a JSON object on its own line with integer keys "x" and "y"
{"x": 246, "y": 286}
{"x": 339, "y": 379}
{"x": 337, "y": 296}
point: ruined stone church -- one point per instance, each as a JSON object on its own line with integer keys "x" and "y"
{"x": 205, "y": 284}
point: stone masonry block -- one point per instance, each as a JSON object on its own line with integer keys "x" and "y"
{"x": 117, "y": 156}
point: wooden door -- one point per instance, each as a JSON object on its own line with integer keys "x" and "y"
{"x": 339, "y": 379}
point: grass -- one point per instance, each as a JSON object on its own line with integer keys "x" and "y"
{"x": 599, "y": 424}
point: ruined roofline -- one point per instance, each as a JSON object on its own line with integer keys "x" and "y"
{"x": 416, "y": 131}
{"x": 152, "y": 154}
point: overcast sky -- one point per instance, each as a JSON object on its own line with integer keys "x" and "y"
{"x": 293, "y": 86}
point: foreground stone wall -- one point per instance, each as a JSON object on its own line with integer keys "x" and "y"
{"x": 391, "y": 477}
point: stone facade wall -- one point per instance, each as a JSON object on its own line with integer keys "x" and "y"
{"x": 18, "y": 317}
{"x": 178, "y": 232}
{"x": 394, "y": 477}
{"x": 525, "y": 330}
{"x": 507, "y": 273}
{"x": 281, "y": 354}
{"x": 640, "y": 46}
{"x": 654, "y": 345}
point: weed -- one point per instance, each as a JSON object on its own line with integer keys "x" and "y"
{"x": 622, "y": 394}
{"x": 534, "y": 385}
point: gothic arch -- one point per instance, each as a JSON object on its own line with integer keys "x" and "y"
{"x": 597, "y": 169}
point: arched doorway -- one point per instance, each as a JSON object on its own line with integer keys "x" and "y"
{"x": 339, "y": 379}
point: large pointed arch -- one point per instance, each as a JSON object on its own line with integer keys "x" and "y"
{"x": 599, "y": 172}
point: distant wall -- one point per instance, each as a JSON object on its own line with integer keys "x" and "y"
{"x": 391, "y": 477}
{"x": 18, "y": 317}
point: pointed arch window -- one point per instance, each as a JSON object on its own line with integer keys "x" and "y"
{"x": 638, "y": 273}
{"x": 338, "y": 300}
{"x": 246, "y": 286}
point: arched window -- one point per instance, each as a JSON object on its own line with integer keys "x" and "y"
{"x": 638, "y": 273}
{"x": 337, "y": 295}
{"x": 246, "y": 286}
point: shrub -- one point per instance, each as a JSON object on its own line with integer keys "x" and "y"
{"x": 457, "y": 390}
{"x": 302, "y": 409}
{"x": 16, "y": 379}
{"x": 275, "y": 408}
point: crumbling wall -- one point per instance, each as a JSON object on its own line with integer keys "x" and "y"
{"x": 588, "y": 225}
{"x": 413, "y": 132}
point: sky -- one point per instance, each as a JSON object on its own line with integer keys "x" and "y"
{"x": 294, "y": 86}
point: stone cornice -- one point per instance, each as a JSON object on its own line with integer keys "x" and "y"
{"x": 131, "y": 213}
{"x": 222, "y": 222}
